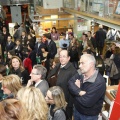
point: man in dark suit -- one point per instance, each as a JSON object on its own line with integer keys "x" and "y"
{"x": 51, "y": 46}
{"x": 10, "y": 44}
{"x": 38, "y": 47}
{"x": 65, "y": 71}
{"x": 100, "y": 39}
{"x": 38, "y": 75}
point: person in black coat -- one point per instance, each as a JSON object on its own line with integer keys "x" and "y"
{"x": 16, "y": 67}
{"x": 32, "y": 54}
{"x": 18, "y": 49}
{"x": 38, "y": 46}
{"x": 51, "y": 46}
{"x": 66, "y": 71}
{"x": 100, "y": 39}
{"x": 10, "y": 44}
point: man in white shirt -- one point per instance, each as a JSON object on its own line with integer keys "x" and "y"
{"x": 38, "y": 75}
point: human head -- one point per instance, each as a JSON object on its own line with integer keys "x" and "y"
{"x": 39, "y": 39}
{"x": 100, "y": 26}
{"x": 9, "y": 38}
{"x": 48, "y": 36}
{"x": 12, "y": 109}
{"x": 16, "y": 63}
{"x": 11, "y": 84}
{"x": 43, "y": 49}
{"x": 23, "y": 33}
{"x": 70, "y": 36}
{"x": 54, "y": 30}
{"x": 64, "y": 57}
{"x": 29, "y": 36}
{"x": 87, "y": 63}
{"x": 89, "y": 33}
{"x": 55, "y": 95}
{"x": 11, "y": 53}
{"x": 2, "y": 71}
{"x": 4, "y": 29}
{"x": 38, "y": 72}
{"x": 84, "y": 36}
{"x": 34, "y": 102}
{"x": 17, "y": 42}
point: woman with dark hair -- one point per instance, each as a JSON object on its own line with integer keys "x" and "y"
{"x": 32, "y": 54}
{"x": 16, "y": 67}
{"x": 54, "y": 34}
{"x": 45, "y": 59}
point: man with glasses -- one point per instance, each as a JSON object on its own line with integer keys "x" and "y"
{"x": 65, "y": 71}
{"x": 38, "y": 75}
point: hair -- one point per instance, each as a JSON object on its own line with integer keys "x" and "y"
{"x": 17, "y": 40}
{"x": 12, "y": 52}
{"x": 13, "y": 83}
{"x": 90, "y": 58}
{"x": 21, "y": 65}
{"x": 100, "y": 26}
{"x": 2, "y": 70}
{"x": 89, "y": 32}
{"x": 58, "y": 97}
{"x": 31, "y": 46}
{"x": 117, "y": 50}
{"x": 54, "y": 29}
{"x": 34, "y": 102}
{"x": 66, "y": 51}
{"x": 47, "y": 35}
{"x": 41, "y": 70}
{"x": 12, "y": 109}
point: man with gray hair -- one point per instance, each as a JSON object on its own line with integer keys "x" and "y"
{"x": 38, "y": 75}
{"x": 88, "y": 89}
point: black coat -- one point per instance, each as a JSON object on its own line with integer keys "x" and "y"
{"x": 18, "y": 51}
{"x": 100, "y": 37}
{"x": 10, "y": 46}
{"x": 22, "y": 74}
{"x": 52, "y": 49}
{"x": 38, "y": 49}
{"x": 93, "y": 41}
{"x": 63, "y": 77}
{"x": 32, "y": 56}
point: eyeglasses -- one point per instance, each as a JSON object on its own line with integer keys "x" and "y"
{"x": 63, "y": 56}
{"x": 33, "y": 73}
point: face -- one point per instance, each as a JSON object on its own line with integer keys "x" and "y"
{"x": 23, "y": 33}
{"x": 6, "y": 90}
{"x": 15, "y": 63}
{"x": 34, "y": 76}
{"x": 4, "y": 29}
{"x": 113, "y": 47}
{"x": 9, "y": 55}
{"x": 9, "y": 39}
{"x": 53, "y": 30}
{"x": 49, "y": 98}
{"x": 88, "y": 34}
{"x": 18, "y": 42}
{"x": 64, "y": 58}
{"x": 42, "y": 49}
{"x": 29, "y": 37}
{"x": 85, "y": 65}
{"x": 39, "y": 40}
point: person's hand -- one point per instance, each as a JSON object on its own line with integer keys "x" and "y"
{"x": 30, "y": 82}
{"x": 81, "y": 93}
{"x": 77, "y": 83}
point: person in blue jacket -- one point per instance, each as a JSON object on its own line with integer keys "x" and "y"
{"x": 88, "y": 90}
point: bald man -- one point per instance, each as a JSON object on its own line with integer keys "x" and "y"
{"x": 88, "y": 89}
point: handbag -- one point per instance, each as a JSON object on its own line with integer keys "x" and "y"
{"x": 53, "y": 79}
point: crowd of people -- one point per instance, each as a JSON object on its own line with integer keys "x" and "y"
{"x": 54, "y": 78}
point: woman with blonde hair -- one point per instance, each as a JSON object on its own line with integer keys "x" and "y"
{"x": 34, "y": 102}
{"x": 55, "y": 97}
{"x": 10, "y": 85}
{"x": 16, "y": 67}
{"x": 12, "y": 109}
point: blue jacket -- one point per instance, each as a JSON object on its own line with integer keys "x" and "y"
{"x": 91, "y": 103}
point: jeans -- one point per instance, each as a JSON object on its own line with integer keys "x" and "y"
{"x": 78, "y": 116}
